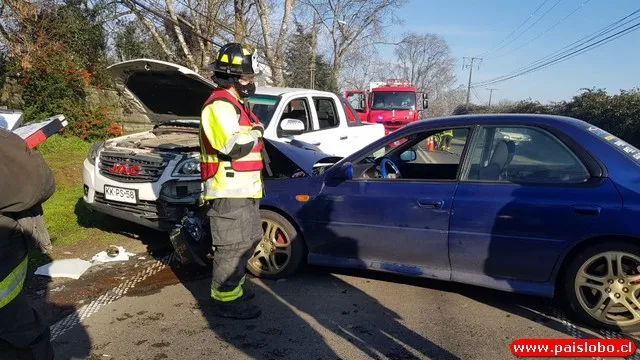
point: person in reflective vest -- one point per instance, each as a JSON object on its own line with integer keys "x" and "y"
{"x": 26, "y": 182}
{"x": 231, "y": 170}
{"x": 447, "y": 136}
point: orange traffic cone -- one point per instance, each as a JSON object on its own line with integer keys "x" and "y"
{"x": 430, "y": 146}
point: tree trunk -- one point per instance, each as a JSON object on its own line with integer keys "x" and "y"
{"x": 238, "y": 10}
{"x": 183, "y": 43}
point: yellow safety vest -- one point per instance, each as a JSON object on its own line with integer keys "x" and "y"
{"x": 225, "y": 122}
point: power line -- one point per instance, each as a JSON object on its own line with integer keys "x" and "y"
{"x": 561, "y": 52}
{"x": 516, "y": 29}
{"x": 546, "y": 31}
{"x": 530, "y": 26}
{"x": 475, "y": 94}
{"x": 573, "y": 54}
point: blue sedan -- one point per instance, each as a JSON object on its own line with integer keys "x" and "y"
{"x": 532, "y": 204}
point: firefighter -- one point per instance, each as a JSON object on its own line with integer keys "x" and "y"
{"x": 231, "y": 165}
{"x": 447, "y": 136}
{"x": 26, "y": 182}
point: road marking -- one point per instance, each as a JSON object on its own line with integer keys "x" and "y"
{"x": 114, "y": 294}
{"x": 425, "y": 157}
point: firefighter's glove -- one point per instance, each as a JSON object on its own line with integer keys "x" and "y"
{"x": 259, "y": 128}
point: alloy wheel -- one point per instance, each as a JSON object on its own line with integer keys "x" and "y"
{"x": 273, "y": 252}
{"x": 607, "y": 287}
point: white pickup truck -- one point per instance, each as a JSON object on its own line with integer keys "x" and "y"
{"x": 150, "y": 177}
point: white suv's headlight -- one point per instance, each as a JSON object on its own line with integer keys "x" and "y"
{"x": 189, "y": 167}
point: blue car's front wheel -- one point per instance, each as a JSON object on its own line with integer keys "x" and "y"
{"x": 281, "y": 251}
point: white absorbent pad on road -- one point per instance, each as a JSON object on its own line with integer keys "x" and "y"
{"x": 68, "y": 268}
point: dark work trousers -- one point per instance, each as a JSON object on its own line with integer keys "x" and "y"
{"x": 447, "y": 140}
{"x": 23, "y": 332}
{"x": 236, "y": 230}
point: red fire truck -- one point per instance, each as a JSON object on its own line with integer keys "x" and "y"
{"x": 393, "y": 103}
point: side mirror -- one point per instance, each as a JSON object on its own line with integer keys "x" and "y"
{"x": 408, "y": 155}
{"x": 425, "y": 103}
{"x": 292, "y": 126}
{"x": 346, "y": 171}
{"x": 363, "y": 105}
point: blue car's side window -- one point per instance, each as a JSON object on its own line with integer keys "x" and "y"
{"x": 434, "y": 155}
{"x": 522, "y": 155}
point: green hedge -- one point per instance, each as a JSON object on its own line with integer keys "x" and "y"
{"x": 618, "y": 114}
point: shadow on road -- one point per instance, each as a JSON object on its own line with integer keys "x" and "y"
{"x": 317, "y": 316}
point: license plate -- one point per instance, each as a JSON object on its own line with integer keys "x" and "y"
{"x": 120, "y": 194}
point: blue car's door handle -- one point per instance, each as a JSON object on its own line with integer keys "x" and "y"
{"x": 430, "y": 204}
{"x": 586, "y": 210}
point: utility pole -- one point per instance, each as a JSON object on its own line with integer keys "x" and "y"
{"x": 313, "y": 53}
{"x": 490, "y": 93}
{"x": 470, "y": 66}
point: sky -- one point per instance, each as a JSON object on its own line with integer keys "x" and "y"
{"x": 479, "y": 29}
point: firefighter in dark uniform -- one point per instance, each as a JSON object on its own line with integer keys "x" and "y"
{"x": 26, "y": 182}
{"x": 230, "y": 164}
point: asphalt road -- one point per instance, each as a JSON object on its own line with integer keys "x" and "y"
{"x": 452, "y": 156}
{"x": 320, "y": 314}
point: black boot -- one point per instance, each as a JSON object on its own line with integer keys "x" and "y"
{"x": 238, "y": 309}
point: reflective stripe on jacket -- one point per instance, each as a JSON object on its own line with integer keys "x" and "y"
{"x": 230, "y": 152}
{"x": 12, "y": 284}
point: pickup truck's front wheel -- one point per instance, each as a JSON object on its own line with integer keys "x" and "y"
{"x": 281, "y": 251}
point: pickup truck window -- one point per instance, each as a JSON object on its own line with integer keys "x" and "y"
{"x": 393, "y": 100}
{"x": 352, "y": 115}
{"x": 296, "y": 109}
{"x": 327, "y": 114}
{"x": 263, "y": 107}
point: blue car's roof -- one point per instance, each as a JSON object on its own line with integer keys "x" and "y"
{"x": 480, "y": 119}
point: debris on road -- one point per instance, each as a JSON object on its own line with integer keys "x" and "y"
{"x": 68, "y": 268}
{"x": 113, "y": 253}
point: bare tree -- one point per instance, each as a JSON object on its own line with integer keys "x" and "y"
{"x": 426, "y": 61}
{"x": 361, "y": 66}
{"x": 184, "y": 29}
{"x": 351, "y": 21}
{"x": 274, "y": 48}
{"x": 447, "y": 101}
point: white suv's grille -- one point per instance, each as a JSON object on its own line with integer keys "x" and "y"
{"x": 133, "y": 168}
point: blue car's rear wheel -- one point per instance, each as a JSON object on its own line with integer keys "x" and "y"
{"x": 602, "y": 286}
{"x": 281, "y": 251}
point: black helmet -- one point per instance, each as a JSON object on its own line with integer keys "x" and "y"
{"x": 235, "y": 59}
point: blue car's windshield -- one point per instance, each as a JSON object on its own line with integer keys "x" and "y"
{"x": 624, "y": 147}
{"x": 263, "y": 106}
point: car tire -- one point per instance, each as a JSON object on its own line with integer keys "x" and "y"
{"x": 296, "y": 252}
{"x": 574, "y": 300}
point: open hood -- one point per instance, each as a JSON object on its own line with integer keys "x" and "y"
{"x": 161, "y": 90}
{"x": 302, "y": 154}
